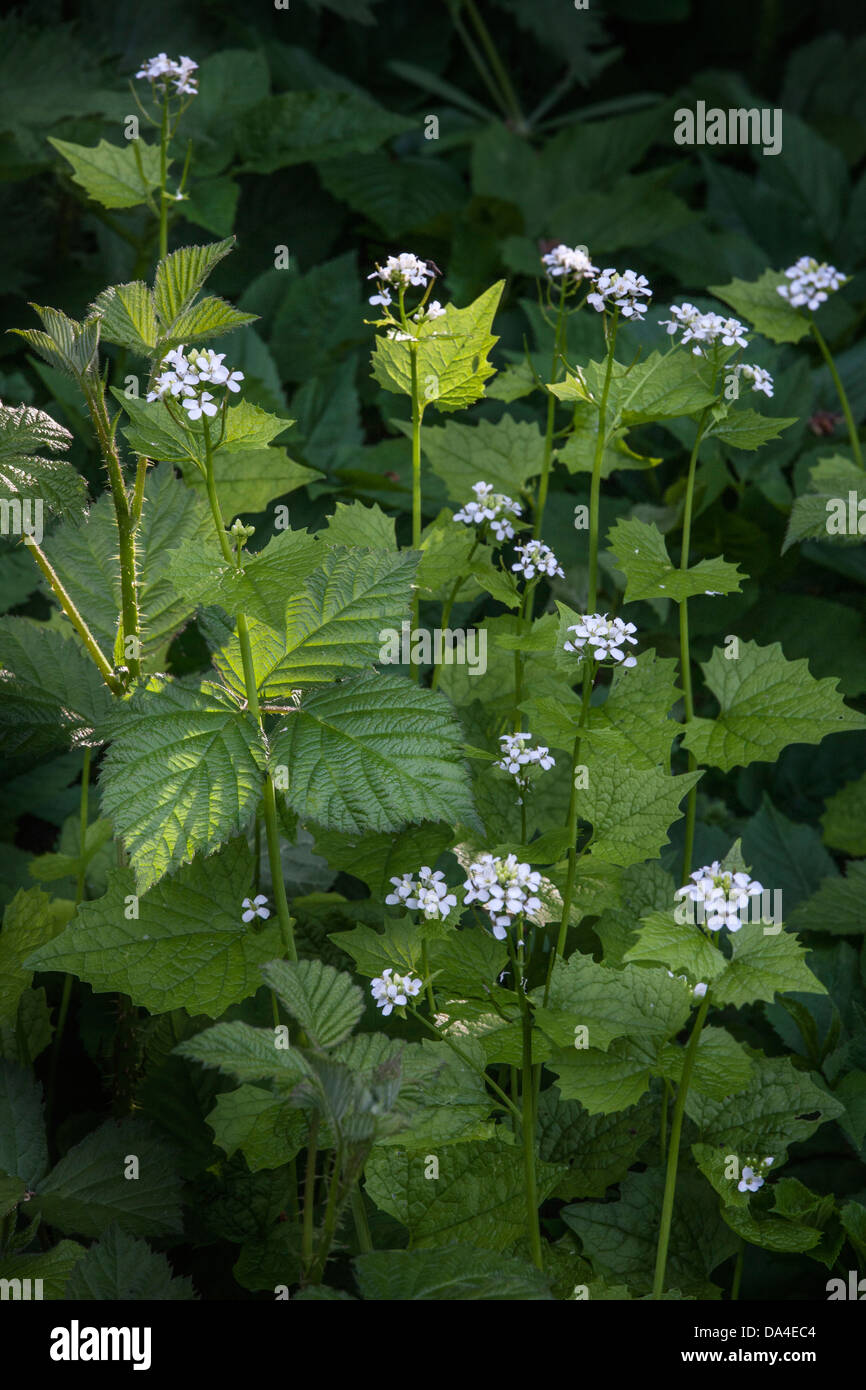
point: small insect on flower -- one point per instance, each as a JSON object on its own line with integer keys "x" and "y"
{"x": 604, "y": 637}
{"x": 392, "y": 991}
{"x": 534, "y": 557}
{"x": 492, "y": 507}
{"x": 720, "y": 895}
{"x": 255, "y": 907}
{"x": 810, "y": 282}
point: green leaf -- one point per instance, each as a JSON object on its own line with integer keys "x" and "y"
{"x": 661, "y": 387}
{"x": 605, "y": 1082}
{"x": 324, "y": 1001}
{"x": 459, "y": 1272}
{"x": 261, "y": 588}
{"x": 506, "y": 454}
{"x": 23, "y": 1141}
{"x": 397, "y": 194}
{"x": 766, "y": 703}
{"x": 620, "y": 1237}
{"x": 641, "y": 554}
{"x": 54, "y": 1268}
{"x": 376, "y": 858}
{"x": 662, "y": 940}
{"x": 266, "y": 1130}
{"x": 183, "y": 773}
{"x": 638, "y": 710}
{"x": 66, "y": 345}
{"x": 399, "y": 946}
{"x": 25, "y": 473}
{"x": 303, "y": 127}
{"x": 781, "y": 1106}
{"x": 630, "y": 809}
{"x": 762, "y": 965}
{"x": 157, "y": 435}
{"x": 748, "y": 429}
{"x": 119, "y": 1267}
{"x": 827, "y": 510}
{"x": 30, "y": 920}
{"x": 128, "y": 318}
{"x": 836, "y": 908}
{"x": 478, "y": 1197}
{"x": 87, "y": 1192}
{"x": 599, "y": 1149}
{"x": 110, "y": 174}
{"x": 609, "y": 1004}
{"x": 336, "y": 623}
{"x": 248, "y": 479}
{"x": 180, "y": 276}
{"x": 759, "y": 302}
{"x": 451, "y": 352}
{"x": 174, "y": 522}
{"x": 53, "y": 695}
{"x": 374, "y": 752}
{"x": 721, "y": 1064}
{"x": 246, "y": 1053}
{"x": 210, "y": 317}
{"x": 357, "y": 525}
{"x": 187, "y": 947}
{"x": 844, "y": 818}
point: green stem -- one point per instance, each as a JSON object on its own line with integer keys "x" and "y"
{"x": 527, "y": 1119}
{"x": 443, "y": 1037}
{"x": 362, "y": 1225}
{"x": 80, "y": 889}
{"x": 417, "y": 412}
{"x": 269, "y": 798}
{"x": 685, "y": 654}
{"x": 663, "y": 1138}
{"x": 94, "y": 394}
{"x": 330, "y": 1223}
{"x": 425, "y": 966}
{"x": 497, "y": 67}
{"x": 840, "y": 391}
{"x": 551, "y": 412}
{"x": 163, "y": 169}
{"x": 674, "y": 1150}
{"x": 309, "y": 1195}
{"x": 449, "y": 604}
{"x": 595, "y": 486}
{"x": 63, "y": 598}
{"x": 571, "y": 825}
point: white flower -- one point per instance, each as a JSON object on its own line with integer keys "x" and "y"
{"x": 536, "y": 558}
{"x": 392, "y": 991}
{"x": 434, "y": 310}
{"x": 196, "y": 406}
{"x": 620, "y": 291}
{"x": 760, "y": 379}
{"x": 721, "y": 895}
{"x": 399, "y": 272}
{"x": 491, "y": 506}
{"x": 604, "y": 636}
{"x": 569, "y": 261}
{"x": 429, "y": 894}
{"x": 810, "y": 281}
{"x": 255, "y": 907}
{"x": 516, "y": 754}
{"x": 751, "y": 1178}
{"x": 505, "y": 888}
{"x": 705, "y": 329}
{"x": 163, "y": 69}
{"x": 699, "y": 990}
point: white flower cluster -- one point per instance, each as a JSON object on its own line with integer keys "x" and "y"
{"x": 569, "y": 262}
{"x": 759, "y": 377}
{"x": 255, "y": 907}
{"x": 433, "y": 310}
{"x": 721, "y": 895}
{"x": 392, "y": 991}
{"x": 428, "y": 894}
{"x": 536, "y": 558}
{"x": 622, "y": 292}
{"x": 505, "y": 888}
{"x": 398, "y": 273}
{"x": 704, "y": 329}
{"x": 164, "y": 70}
{"x": 516, "y": 754}
{"x": 810, "y": 281}
{"x": 490, "y": 506}
{"x": 605, "y": 636}
{"x": 184, "y": 374}
{"x": 751, "y": 1178}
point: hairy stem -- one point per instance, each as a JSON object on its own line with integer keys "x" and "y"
{"x": 94, "y": 393}
{"x": 92, "y": 647}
